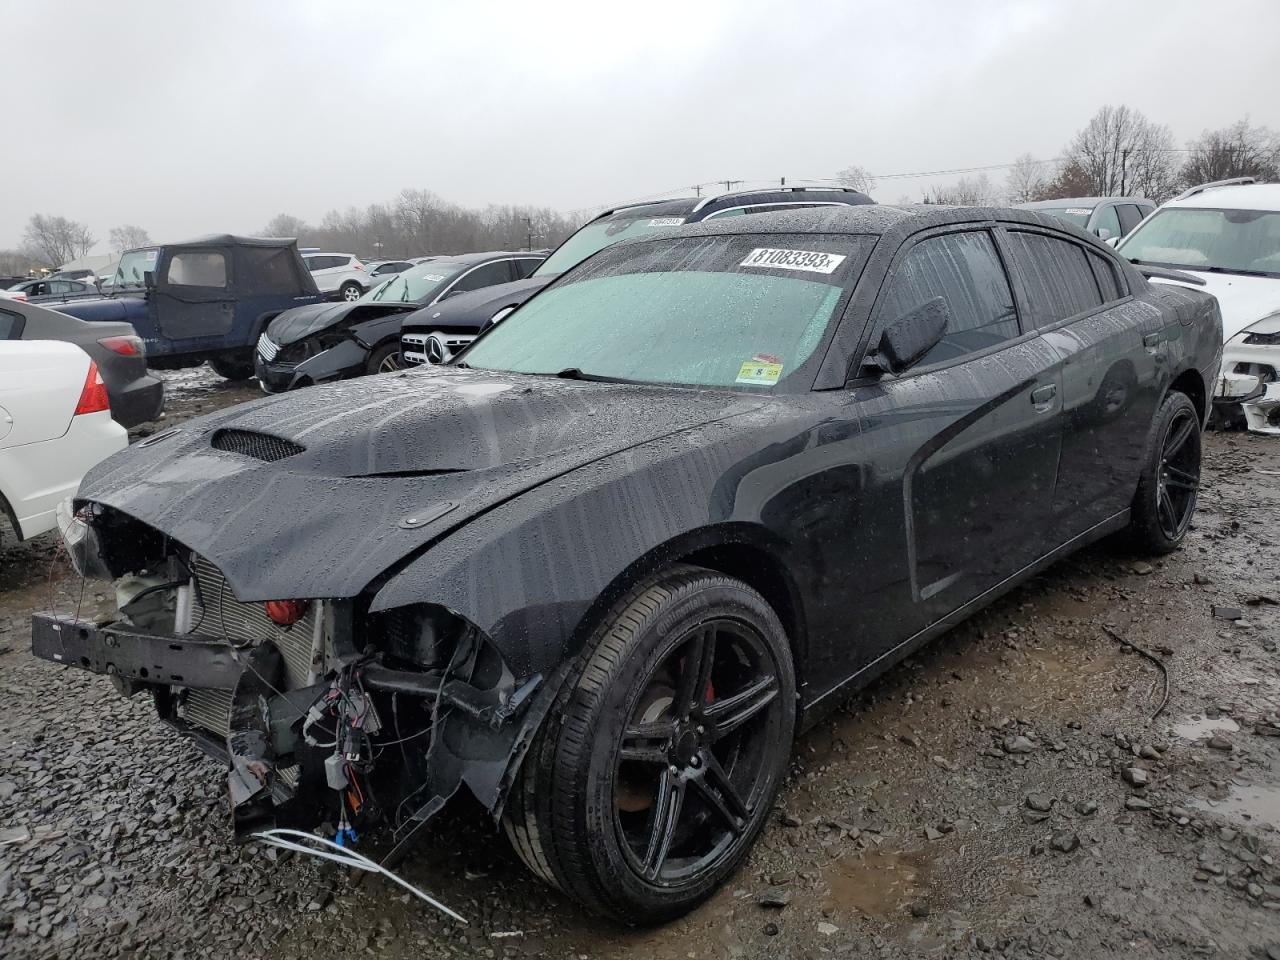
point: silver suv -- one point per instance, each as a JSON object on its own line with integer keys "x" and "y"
{"x": 339, "y": 275}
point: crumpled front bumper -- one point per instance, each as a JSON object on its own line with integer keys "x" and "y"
{"x": 1262, "y": 413}
{"x": 346, "y": 359}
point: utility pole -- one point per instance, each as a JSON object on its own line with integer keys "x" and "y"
{"x": 697, "y": 189}
{"x": 728, "y": 185}
{"x": 528, "y": 222}
{"x": 782, "y": 181}
{"x": 1124, "y": 161}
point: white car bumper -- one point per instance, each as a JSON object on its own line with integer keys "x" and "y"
{"x": 38, "y": 476}
{"x": 1250, "y": 377}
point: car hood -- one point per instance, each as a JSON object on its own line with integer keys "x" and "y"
{"x": 473, "y": 310}
{"x": 1244, "y": 300}
{"x": 299, "y": 323}
{"x": 367, "y": 472}
{"x": 97, "y": 309}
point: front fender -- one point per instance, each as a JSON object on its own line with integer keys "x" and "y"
{"x": 343, "y": 359}
{"x": 528, "y": 572}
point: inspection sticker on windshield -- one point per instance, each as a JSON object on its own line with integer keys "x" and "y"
{"x": 763, "y": 368}
{"x": 812, "y": 261}
{"x": 666, "y": 221}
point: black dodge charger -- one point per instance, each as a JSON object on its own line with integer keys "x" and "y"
{"x": 598, "y": 571}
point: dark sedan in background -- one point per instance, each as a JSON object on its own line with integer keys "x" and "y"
{"x": 336, "y": 341}
{"x": 690, "y": 497}
{"x": 136, "y": 396}
{"x": 435, "y": 335}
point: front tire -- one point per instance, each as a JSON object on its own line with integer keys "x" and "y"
{"x": 232, "y": 368}
{"x": 1166, "y": 497}
{"x": 385, "y": 359}
{"x": 658, "y": 765}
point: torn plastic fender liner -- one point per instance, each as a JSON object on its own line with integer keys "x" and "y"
{"x": 486, "y": 757}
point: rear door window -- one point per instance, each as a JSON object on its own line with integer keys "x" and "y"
{"x": 525, "y": 266}
{"x": 1108, "y": 279}
{"x": 963, "y": 269}
{"x": 1057, "y": 277}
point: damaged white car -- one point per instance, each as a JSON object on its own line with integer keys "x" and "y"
{"x": 1228, "y": 234}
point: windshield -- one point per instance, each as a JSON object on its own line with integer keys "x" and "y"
{"x": 419, "y": 285}
{"x": 1231, "y": 241}
{"x": 129, "y": 272}
{"x": 1079, "y": 216}
{"x": 738, "y": 311}
{"x": 597, "y": 235}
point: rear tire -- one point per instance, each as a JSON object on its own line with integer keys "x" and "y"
{"x": 350, "y": 291}
{"x": 1165, "y": 500}
{"x": 639, "y": 807}
{"x": 232, "y": 368}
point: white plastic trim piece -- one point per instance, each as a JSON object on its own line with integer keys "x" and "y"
{"x": 296, "y": 841}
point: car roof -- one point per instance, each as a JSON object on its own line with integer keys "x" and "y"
{"x": 1239, "y": 196}
{"x": 224, "y": 240}
{"x": 479, "y": 257}
{"x": 1082, "y": 202}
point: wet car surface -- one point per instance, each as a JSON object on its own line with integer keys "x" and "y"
{"x": 904, "y": 823}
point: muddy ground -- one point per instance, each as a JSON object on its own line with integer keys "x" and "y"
{"x": 982, "y": 799}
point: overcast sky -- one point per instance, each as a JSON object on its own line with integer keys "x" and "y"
{"x": 188, "y": 118}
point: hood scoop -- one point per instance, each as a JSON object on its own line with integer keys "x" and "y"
{"x": 260, "y": 446}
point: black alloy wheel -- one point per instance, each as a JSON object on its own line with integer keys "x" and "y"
{"x": 1179, "y": 479}
{"x": 663, "y": 754}
{"x": 1165, "y": 501}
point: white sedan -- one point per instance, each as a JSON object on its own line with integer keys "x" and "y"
{"x": 55, "y": 423}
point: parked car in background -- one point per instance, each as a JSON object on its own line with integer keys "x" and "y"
{"x": 338, "y": 275}
{"x": 136, "y": 395}
{"x": 41, "y": 291}
{"x": 435, "y": 335}
{"x": 1227, "y": 235}
{"x": 609, "y": 563}
{"x": 203, "y": 300}
{"x": 55, "y": 423}
{"x": 1107, "y": 218}
{"x": 9, "y": 282}
{"x": 324, "y": 342}
{"x": 380, "y": 270}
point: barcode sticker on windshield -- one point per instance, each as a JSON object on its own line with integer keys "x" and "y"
{"x": 1078, "y": 211}
{"x": 666, "y": 221}
{"x": 432, "y": 277}
{"x": 812, "y": 261}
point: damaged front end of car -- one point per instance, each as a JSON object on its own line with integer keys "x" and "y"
{"x": 324, "y": 712}
{"x": 1248, "y": 387}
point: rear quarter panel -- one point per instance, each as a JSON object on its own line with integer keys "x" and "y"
{"x": 40, "y": 384}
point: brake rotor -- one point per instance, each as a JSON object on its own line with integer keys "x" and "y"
{"x": 637, "y": 784}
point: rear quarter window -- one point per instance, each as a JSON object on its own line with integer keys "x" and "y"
{"x": 1056, "y": 275}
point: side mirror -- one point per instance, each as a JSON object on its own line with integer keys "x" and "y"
{"x": 148, "y": 279}
{"x": 1103, "y": 233}
{"x": 907, "y": 339}
{"x": 1112, "y": 241}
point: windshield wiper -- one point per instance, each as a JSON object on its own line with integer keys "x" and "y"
{"x": 575, "y": 373}
{"x": 1247, "y": 273}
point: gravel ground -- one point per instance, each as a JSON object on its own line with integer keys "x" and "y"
{"x": 1003, "y": 793}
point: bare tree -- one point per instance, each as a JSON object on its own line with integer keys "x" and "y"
{"x": 16, "y": 263}
{"x": 857, "y": 177}
{"x": 1123, "y": 153}
{"x": 1026, "y": 179}
{"x": 56, "y": 240}
{"x": 1239, "y": 150}
{"x": 1069, "y": 181}
{"x": 965, "y": 192}
{"x": 285, "y": 225}
{"x": 128, "y": 237}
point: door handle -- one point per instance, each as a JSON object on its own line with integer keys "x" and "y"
{"x": 1042, "y": 396}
